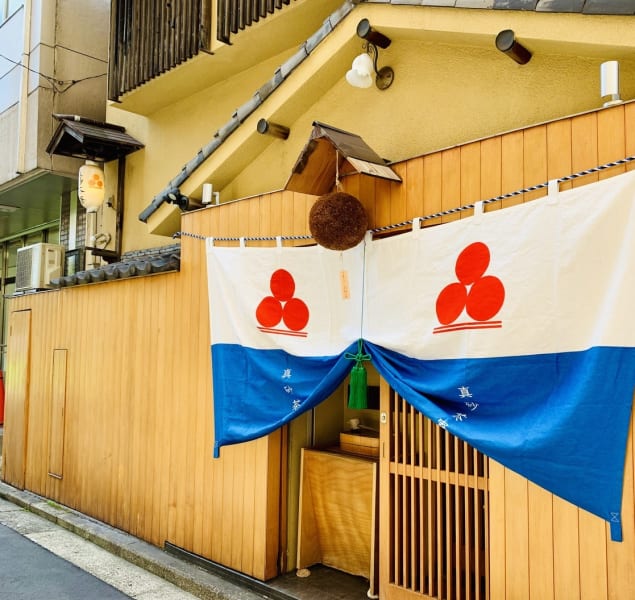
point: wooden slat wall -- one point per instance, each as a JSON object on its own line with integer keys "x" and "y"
{"x": 146, "y": 40}
{"x": 236, "y": 15}
{"x": 138, "y": 435}
{"x": 138, "y": 420}
{"x": 434, "y": 507}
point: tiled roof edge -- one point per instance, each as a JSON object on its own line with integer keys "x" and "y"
{"x": 585, "y": 6}
{"x": 249, "y": 107}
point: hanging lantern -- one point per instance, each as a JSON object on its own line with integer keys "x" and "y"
{"x": 91, "y": 191}
{"x": 338, "y": 221}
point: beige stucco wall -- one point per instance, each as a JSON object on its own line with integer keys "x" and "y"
{"x": 451, "y": 86}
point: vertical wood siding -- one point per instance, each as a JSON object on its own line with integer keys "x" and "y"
{"x": 434, "y": 509}
{"x": 138, "y": 433}
{"x": 137, "y": 439}
{"x": 236, "y": 15}
{"x": 148, "y": 38}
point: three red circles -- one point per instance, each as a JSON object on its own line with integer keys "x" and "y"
{"x": 480, "y": 295}
{"x": 281, "y": 306}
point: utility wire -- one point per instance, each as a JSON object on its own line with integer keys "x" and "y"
{"x": 58, "y": 85}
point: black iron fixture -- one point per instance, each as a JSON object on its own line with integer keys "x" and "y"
{"x": 273, "y": 129}
{"x": 364, "y": 65}
{"x": 507, "y": 43}
{"x": 366, "y": 32}
{"x": 174, "y": 196}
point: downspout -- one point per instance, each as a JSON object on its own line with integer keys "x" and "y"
{"x": 23, "y": 103}
{"x": 121, "y": 174}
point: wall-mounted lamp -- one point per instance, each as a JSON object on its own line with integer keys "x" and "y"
{"x": 507, "y": 43}
{"x": 610, "y": 82}
{"x": 274, "y": 129}
{"x": 91, "y": 189}
{"x": 361, "y": 72}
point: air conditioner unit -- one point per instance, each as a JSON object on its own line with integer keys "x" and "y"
{"x": 37, "y": 264}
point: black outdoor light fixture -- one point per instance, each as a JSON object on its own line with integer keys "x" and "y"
{"x": 174, "y": 196}
{"x": 507, "y": 43}
{"x": 266, "y": 127}
{"x": 364, "y": 65}
{"x": 366, "y": 32}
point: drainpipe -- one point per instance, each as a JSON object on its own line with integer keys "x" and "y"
{"x": 23, "y": 111}
{"x": 121, "y": 174}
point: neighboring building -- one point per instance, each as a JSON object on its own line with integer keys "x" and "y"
{"x": 53, "y": 59}
{"x": 110, "y": 412}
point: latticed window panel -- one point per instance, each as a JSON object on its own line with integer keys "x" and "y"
{"x": 438, "y": 509}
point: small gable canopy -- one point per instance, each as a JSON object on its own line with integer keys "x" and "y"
{"x": 331, "y": 152}
{"x": 84, "y": 138}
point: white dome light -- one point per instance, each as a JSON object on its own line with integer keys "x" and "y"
{"x": 361, "y": 72}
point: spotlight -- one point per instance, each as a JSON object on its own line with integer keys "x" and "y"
{"x": 366, "y": 32}
{"x": 273, "y": 129}
{"x": 507, "y": 43}
{"x": 174, "y": 196}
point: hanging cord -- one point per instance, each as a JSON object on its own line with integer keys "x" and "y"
{"x": 360, "y": 355}
{"x": 358, "y": 386}
{"x": 531, "y": 188}
{"x": 266, "y": 238}
{"x": 443, "y": 213}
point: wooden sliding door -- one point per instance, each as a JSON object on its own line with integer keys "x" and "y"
{"x": 433, "y": 509}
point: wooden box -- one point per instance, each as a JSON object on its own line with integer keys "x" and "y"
{"x": 361, "y": 443}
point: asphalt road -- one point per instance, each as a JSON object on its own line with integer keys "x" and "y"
{"x": 29, "y": 572}
{"x": 39, "y": 560}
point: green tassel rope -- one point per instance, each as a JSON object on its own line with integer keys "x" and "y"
{"x": 357, "y": 396}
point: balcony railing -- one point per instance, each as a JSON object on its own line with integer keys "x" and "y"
{"x": 149, "y": 37}
{"x": 234, "y": 15}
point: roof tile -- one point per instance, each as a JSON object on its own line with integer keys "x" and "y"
{"x": 609, "y": 7}
{"x": 560, "y": 5}
{"x": 474, "y": 4}
{"x": 515, "y": 4}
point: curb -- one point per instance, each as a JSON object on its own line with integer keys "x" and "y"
{"x": 189, "y": 577}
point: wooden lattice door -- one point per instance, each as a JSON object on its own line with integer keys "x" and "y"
{"x": 433, "y": 509}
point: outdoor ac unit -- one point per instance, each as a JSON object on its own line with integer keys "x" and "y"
{"x": 37, "y": 264}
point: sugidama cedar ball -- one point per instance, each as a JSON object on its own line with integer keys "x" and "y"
{"x": 338, "y": 221}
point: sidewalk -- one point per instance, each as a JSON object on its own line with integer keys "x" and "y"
{"x": 191, "y": 573}
{"x": 187, "y": 576}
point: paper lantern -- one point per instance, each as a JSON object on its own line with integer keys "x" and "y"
{"x": 91, "y": 189}
{"x": 338, "y": 221}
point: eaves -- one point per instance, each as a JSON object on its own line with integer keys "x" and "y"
{"x": 171, "y": 190}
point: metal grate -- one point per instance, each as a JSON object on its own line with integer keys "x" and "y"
{"x": 439, "y": 509}
{"x": 23, "y": 274}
